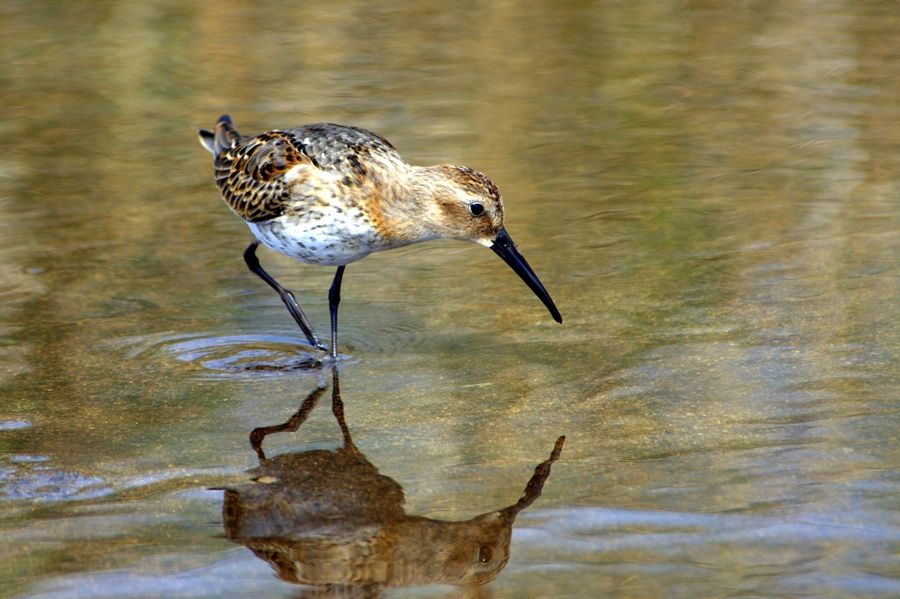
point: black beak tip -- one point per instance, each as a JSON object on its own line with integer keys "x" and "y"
{"x": 504, "y": 247}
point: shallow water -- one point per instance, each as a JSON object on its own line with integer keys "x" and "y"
{"x": 709, "y": 193}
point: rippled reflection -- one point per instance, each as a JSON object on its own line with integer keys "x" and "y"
{"x": 329, "y": 519}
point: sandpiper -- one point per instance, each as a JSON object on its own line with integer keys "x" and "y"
{"x": 330, "y": 195}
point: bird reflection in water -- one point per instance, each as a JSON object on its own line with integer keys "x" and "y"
{"x": 330, "y": 520}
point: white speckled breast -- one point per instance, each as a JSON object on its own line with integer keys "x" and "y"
{"x": 319, "y": 240}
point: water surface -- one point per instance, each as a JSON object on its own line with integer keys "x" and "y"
{"x": 709, "y": 193}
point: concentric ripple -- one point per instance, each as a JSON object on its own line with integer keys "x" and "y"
{"x": 227, "y": 354}
{"x": 269, "y": 352}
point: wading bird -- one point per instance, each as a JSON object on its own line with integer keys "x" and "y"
{"x": 330, "y": 195}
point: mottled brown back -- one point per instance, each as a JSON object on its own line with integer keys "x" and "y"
{"x": 250, "y": 171}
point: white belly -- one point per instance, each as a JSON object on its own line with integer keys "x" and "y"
{"x": 318, "y": 241}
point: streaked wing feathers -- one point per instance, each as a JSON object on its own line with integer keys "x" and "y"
{"x": 250, "y": 174}
{"x": 250, "y": 171}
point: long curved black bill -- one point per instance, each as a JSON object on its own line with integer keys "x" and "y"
{"x": 504, "y": 247}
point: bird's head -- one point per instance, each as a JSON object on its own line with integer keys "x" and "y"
{"x": 466, "y": 205}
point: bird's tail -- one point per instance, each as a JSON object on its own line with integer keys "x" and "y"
{"x": 223, "y": 137}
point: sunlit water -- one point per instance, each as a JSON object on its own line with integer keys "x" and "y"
{"x": 710, "y": 194}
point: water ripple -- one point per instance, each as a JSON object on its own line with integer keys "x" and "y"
{"x": 246, "y": 353}
{"x": 266, "y": 352}
{"x": 22, "y": 479}
{"x": 14, "y": 425}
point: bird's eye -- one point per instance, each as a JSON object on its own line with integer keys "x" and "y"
{"x": 476, "y": 209}
{"x": 485, "y": 553}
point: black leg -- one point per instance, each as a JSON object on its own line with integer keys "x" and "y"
{"x": 258, "y": 434}
{"x": 334, "y": 298}
{"x": 286, "y": 296}
{"x": 337, "y": 408}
